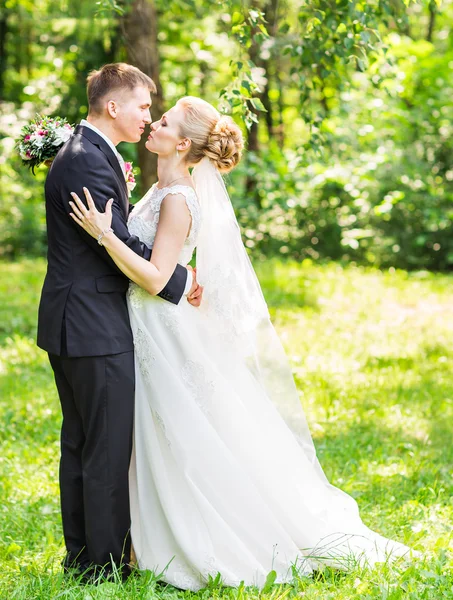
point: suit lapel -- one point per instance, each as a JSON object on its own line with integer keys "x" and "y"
{"x": 113, "y": 160}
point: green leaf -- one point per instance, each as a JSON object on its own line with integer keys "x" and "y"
{"x": 246, "y": 84}
{"x": 284, "y": 28}
{"x": 259, "y": 38}
{"x": 258, "y": 105}
{"x": 311, "y": 24}
{"x": 270, "y": 580}
{"x": 237, "y": 18}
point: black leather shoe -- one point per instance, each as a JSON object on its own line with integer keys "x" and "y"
{"x": 76, "y": 568}
{"x": 96, "y": 575}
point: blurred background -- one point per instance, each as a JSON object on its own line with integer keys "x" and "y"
{"x": 347, "y": 108}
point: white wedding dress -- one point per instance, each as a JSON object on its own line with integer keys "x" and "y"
{"x": 218, "y": 482}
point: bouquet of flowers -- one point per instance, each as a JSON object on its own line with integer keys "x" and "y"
{"x": 41, "y": 139}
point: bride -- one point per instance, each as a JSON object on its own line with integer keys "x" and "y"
{"x": 224, "y": 476}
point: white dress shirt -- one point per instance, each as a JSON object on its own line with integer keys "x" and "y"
{"x": 85, "y": 123}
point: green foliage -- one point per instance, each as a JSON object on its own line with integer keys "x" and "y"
{"x": 22, "y": 213}
{"x": 371, "y": 354}
{"x": 349, "y": 106}
{"x": 325, "y": 41}
{"x": 382, "y": 192}
{"x": 106, "y": 7}
{"x": 240, "y": 94}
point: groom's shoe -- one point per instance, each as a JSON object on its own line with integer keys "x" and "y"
{"x": 92, "y": 574}
{"x": 96, "y": 575}
{"x": 77, "y": 568}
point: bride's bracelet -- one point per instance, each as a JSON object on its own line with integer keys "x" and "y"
{"x": 101, "y": 235}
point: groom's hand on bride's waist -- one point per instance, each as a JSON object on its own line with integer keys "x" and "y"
{"x": 195, "y": 294}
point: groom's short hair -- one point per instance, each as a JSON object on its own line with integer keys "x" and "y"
{"x": 116, "y": 76}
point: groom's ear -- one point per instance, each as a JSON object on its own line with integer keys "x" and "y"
{"x": 112, "y": 109}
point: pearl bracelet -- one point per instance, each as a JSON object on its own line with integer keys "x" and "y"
{"x": 101, "y": 235}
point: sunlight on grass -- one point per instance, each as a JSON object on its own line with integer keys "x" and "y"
{"x": 372, "y": 356}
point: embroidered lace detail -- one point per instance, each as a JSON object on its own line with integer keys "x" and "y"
{"x": 143, "y": 353}
{"x": 161, "y": 424}
{"x": 137, "y": 295}
{"x": 182, "y": 575}
{"x": 209, "y": 569}
{"x": 169, "y": 316}
{"x": 144, "y": 229}
{"x": 231, "y": 315}
{"x": 144, "y": 219}
{"x": 201, "y": 388}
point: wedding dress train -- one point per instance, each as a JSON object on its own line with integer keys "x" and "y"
{"x": 218, "y": 481}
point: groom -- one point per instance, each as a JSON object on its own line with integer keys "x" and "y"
{"x": 84, "y": 325}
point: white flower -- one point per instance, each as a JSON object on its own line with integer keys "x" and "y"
{"x": 130, "y": 186}
{"x": 62, "y": 135}
{"x": 37, "y": 140}
{"x": 24, "y": 156}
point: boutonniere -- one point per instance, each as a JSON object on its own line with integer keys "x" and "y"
{"x": 130, "y": 178}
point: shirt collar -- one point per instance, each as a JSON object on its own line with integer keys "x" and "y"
{"x": 85, "y": 123}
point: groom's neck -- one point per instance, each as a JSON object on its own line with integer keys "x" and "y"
{"x": 104, "y": 126}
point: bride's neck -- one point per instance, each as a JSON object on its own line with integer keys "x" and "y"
{"x": 169, "y": 170}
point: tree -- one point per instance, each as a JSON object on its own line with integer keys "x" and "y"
{"x": 140, "y": 29}
{"x": 3, "y": 56}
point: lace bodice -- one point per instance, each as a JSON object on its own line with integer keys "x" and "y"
{"x": 144, "y": 219}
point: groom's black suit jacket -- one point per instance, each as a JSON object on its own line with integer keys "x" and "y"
{"x": 84, "y": 293}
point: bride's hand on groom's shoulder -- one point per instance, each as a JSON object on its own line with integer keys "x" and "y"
{"x": 195, "y": 294}
{"x": 90, "y": 219}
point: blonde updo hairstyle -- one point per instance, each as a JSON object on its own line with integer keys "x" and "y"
{"x": 211, "y": 134}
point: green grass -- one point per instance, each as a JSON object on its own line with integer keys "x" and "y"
{"x": 372, "y": 355}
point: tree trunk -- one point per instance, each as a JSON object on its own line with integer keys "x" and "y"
{"x": 114, "y": 42}
{"x": 268, "y": 105}
{"x": 281, "y": 107}
{"x": 252, "y": 138}
{"x": 28, "y": 48}
{"x": 432, "y": 21}
{"x": 3, "y": 55}
{"x": 271, "y": 12}
{"x": 271, "y": 16}
{"x": 252, "y": 134}
{"x": 140, "y": 33}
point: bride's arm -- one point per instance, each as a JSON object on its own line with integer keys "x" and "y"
{"x": 174, "y": 224}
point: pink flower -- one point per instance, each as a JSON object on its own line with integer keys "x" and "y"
{"x": 28, "y": 154}
{"x": 129, "y": 174}
{"x": 42, "y": 132}
{"x": 130, "y": 179}
{"x": 26, "y": 138}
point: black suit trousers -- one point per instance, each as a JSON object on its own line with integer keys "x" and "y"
{"x": 97, "y": 400}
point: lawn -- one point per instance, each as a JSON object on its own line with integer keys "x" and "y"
{"x": 372, "y": 355}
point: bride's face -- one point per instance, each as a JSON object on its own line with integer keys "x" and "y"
{"x": 165, "y": 137}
